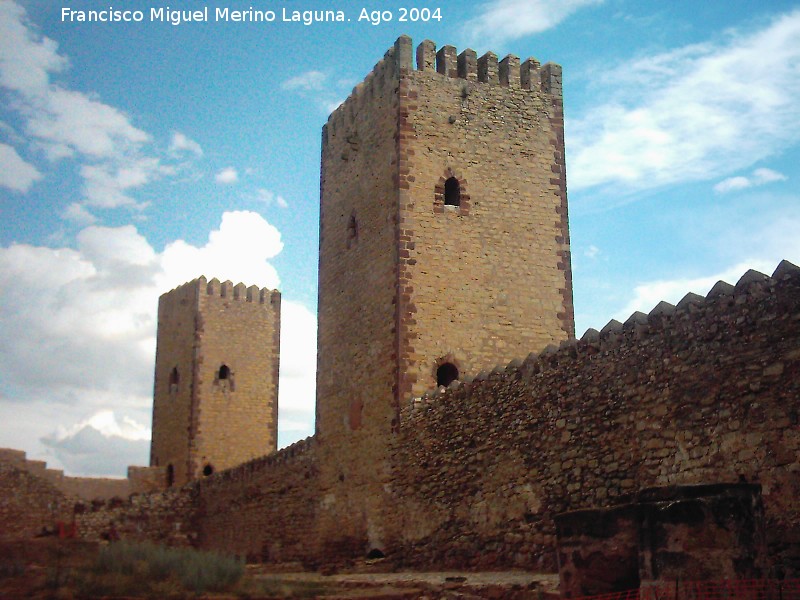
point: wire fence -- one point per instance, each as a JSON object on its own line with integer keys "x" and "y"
{"x": 734, "y": 589}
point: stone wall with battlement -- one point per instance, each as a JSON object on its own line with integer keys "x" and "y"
{"x": 139, "y": 480}
{"x": 30, "y": 503}
{"x": 265, "y": 509}
{"x": 702, "y": 392}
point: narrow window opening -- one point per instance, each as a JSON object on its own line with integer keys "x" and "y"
{"x": 352, "y": 231}
{"x": 224, "y": 372}
{"x": 208, "y": 470}
{"x": 174, "y": 379}
{"x": 452, "y": 192}
{"x": 446, "y": 374}
{"x": 170, "y": 475}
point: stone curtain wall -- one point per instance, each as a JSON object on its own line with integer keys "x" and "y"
{"x": 161, "y": 517}
{"x": 29, "y": 503}
{"x": 702, "y": 393}
{"x": 705, "y": 392}
{"x": 264, "y": 510}
{"x": 139, "y": 480}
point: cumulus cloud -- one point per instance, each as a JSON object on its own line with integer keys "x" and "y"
{"x": 227, "y": 176}
{"x": 69, "y": 122}
{"x": 757, "y": 178}
{"x": 691, "y": 114}
{"x": 77, "y": 340}
{"x": 26, "y": 60}
{"x": 99, "y": 444}
{"x": 106, "y": 185}
{"x": 15, "y": 173}
{"x": 297, "y": 387}
{"x": 503, "y": 20}
{"x": 239, "y": 250}
{"x": 113, "y": 155}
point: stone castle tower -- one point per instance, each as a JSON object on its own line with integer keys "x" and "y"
{"x": 216, "y": 378}
{"x": 444, "y": 248}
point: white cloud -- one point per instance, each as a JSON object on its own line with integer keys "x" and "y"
{"x": 106, "y": 185}
{"x": 297, "y": 387}
{"x": 310, "y": 81}
{"x": 592, "y": 251}
{"x": 100, "y": 445}
{"x": 26, "y": 59}
{"x": 15, "y": 173}
{"x": 762, "y": 176}
{"x": 695, "y": 113}
{"x": 329, "y": 107}
{"x": 238, "y": 250}
{"x": 112, "y": 153}
{"x": 69, "y": 122}
{"x": 647, "y": 295}
{"x": 503, "y": 20}
{"x": 77, "y": 338}
{"x": 78, "y": 214}
{"x": 732, "y": 183}
{"x": 106, "y": 423}
{"x": 319, "y": 88}
{"x": 227, "y": 176}
{"x": 180, "y": 143}
{"x": 758, "y": 177}
{"x": 269, "y": 198}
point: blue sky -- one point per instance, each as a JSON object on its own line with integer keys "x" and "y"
{"x": 137, "y": 156}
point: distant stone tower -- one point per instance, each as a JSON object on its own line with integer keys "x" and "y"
{"x": 216, "y": 378}
{"x": 444, "y": 246}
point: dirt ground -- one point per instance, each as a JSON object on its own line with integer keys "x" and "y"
{"x": 505, "y": 585}
{"x": 39, "y": 569}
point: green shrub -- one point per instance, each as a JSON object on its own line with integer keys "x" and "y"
{"x": 148, "y": 568}
{"x": 210, "y": 572}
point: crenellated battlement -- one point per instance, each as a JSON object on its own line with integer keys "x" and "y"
{"x": 723, "y": 299}
{"x": 228, "y": 290}
{"x": 85, "y": 488}
{"x": 374, "y": 84}
{"x": 296, "y": 453}
{"x": 508, "y": 72}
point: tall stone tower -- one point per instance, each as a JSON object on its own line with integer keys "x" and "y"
{"x": 444, "y": 247}
{"x": 216, "y": 378}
